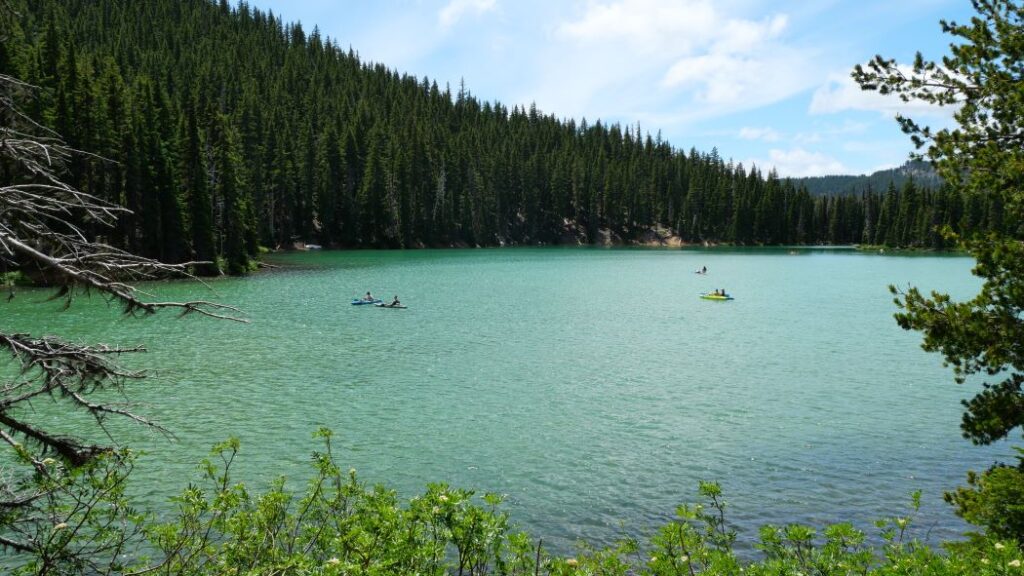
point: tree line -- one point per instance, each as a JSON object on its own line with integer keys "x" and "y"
{"x": 224, "y": 129}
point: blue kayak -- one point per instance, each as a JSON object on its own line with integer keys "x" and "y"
{"x": 360, "y": 302}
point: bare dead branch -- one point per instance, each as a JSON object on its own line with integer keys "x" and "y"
{"x": 48, "y": 229}
{"x": 81, "y": 269}
{"x": 75, "y": 452}
{"x": 99, "y": 410}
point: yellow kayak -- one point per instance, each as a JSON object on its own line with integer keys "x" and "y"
{"x": 716, "y": 297}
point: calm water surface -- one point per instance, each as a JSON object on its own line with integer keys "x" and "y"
{"x": 593, "y": 387}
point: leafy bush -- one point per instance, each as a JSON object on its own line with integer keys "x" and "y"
{"x": 341, "y": 526}
{"x": 994, "y": 500}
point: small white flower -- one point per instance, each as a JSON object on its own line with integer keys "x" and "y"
{"x": 1000, "y": 546}
{"x": 1015, "y": 563}
{"x": 654, "y": 558}
{"x": 572, "y": 562}
{"x": 984, "y": 560}
{"x": 684, "y": 558}
{"x": 333, "y": 562}
{"x": 60, "y": 526}
{"x": 443, "y": 497}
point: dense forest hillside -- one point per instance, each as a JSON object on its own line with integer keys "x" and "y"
{"x": 224, "y": 129}
{"x": 914, "y": 170}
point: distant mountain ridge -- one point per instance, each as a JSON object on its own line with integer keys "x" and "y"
{"x": 920, "y": 172}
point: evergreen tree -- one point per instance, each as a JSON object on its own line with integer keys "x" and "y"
{"x": 983, "y": 156}
{"x": 325, "y": 147}
{"x": 198, "y": 193}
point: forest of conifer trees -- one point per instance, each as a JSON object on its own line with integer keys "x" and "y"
{"x": 224, "y": 129}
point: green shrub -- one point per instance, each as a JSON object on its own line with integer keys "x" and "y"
{"x": 339, "y": 525}
{"x": 993, "y": 500}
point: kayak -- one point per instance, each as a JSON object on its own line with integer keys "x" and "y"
{"x": 361, "y": 302}
{"x": 716, "y": 297}
{"x": 383, "y": 305}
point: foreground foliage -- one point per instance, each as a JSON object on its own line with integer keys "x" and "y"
{"x": 339, "y": 525}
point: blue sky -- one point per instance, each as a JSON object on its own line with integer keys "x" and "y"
{"x": 767, "y": 83}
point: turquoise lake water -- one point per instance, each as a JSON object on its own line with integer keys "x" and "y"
{"x": 593, "y": 387}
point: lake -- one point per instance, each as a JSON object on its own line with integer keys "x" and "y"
{"x": 593, "y": 387}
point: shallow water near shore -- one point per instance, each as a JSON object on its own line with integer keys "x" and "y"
{"x": 593, "y": 387}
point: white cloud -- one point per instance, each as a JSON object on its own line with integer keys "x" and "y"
{"x": 748, "y": 36}
{"x": 742, "y": 63}
{"x": 670, "y": 62}
{"x": 764, "y": 134}
{"x": 840, "y": 93}
{"x": 798, "y": 163}
{"x": 808, "y": 138}
{"x": 832, "y": 133}
{"x": 645, "y": 26}
{"x": 738, "y": 82}
{"x": 456, "y": 9}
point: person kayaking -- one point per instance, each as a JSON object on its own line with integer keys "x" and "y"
{"x": 368, "y": 297}
{"x": 703, "y": 269}
{"x": 395, "y": 303}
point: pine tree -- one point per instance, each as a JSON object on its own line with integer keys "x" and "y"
{"x": 332, "y": 149}
{"x": 199, "y": 201}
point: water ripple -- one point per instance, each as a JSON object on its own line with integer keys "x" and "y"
{"x": 592, "y": 387}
